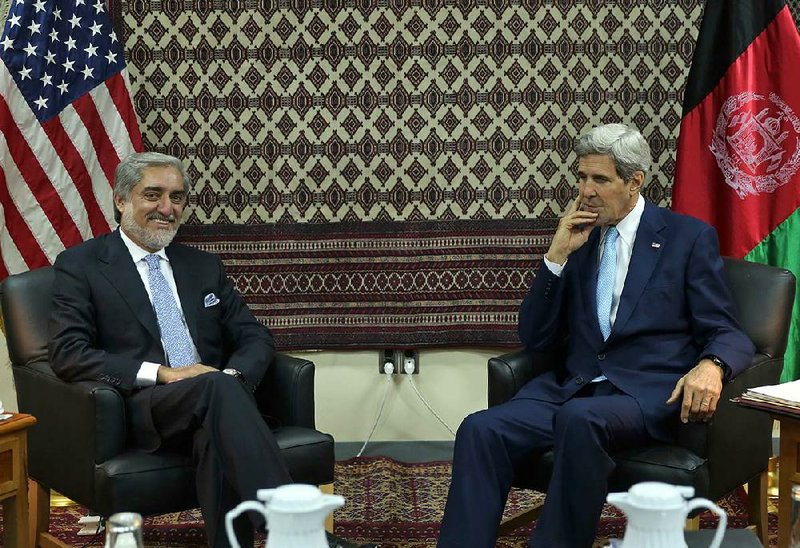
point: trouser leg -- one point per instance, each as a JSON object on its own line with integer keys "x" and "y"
{"x": 488, "y": 445}
{"x": 217, "y": 497}
{"x": 586, "y": 430}
{"x": 235, "y": 452}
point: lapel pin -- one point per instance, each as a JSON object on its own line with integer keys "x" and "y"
{"x": 655, "y": 245}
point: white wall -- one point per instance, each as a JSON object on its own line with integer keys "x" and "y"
{"x": 7, "y": 394}
{"x": 349, "y": 391}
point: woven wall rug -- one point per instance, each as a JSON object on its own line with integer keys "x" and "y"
{"x": 382, "y": 285}
{"x": 407, "y": 154}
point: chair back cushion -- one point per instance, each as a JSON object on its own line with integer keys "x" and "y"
{"x": 26, "y": 302}
{"x": 763, "y": 296}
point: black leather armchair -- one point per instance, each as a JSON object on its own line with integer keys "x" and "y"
{"x": 78, "y": 445}
{"x": 714, "y": 457}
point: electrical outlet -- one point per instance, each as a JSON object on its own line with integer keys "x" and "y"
{"x": 408, "y": 356}
{"x": 389, "y": 355}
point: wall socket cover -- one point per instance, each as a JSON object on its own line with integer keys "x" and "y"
{"x": 397, "y": 357}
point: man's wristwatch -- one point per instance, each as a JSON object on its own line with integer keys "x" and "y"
{"x": 234, "y": 373}
{"x": 719, "y": 363}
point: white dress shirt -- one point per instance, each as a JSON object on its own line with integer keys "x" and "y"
{"x": 148, "y": 371}
{"x": 627, "y": 229}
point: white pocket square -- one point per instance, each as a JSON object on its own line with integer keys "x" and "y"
{"x": 210, "y": 300}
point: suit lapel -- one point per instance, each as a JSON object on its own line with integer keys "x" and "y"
{"x": 188, "y": 292}
{"x": 117, "y": 267}
{"x": 646, "y": 251}
{"x": 588, "y": 269}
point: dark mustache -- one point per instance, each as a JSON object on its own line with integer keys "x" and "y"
{"x": 160, "y": 217}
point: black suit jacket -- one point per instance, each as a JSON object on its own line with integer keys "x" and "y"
{"x": 103, "y": 325}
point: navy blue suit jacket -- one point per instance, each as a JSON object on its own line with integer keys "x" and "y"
{"x": 675, "y": 308}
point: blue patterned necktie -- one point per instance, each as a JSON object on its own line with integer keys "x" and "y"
{"x": 605, "y": 280}
{"x": 170, "y": 321}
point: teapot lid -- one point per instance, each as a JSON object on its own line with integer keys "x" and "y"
{"x": 293, "y": 497}
{"x": 656, "y": 494}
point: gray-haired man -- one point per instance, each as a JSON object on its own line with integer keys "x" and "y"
{"x": 162, "y": 323}
{"x": 637, "y": 292}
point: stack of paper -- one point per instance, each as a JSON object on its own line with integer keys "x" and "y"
{"x": 784, "y": 398}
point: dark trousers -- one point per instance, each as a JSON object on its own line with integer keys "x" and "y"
{"x": 215, "y": 417}
{"x": 491, "y": 443}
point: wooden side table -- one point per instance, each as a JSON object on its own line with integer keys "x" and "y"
{"x": 788, "y": 472}
{"x": 14, "y": 478}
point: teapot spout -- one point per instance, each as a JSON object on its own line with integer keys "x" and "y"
{"x": 332, "y": 502}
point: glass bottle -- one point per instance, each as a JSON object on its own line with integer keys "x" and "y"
{"x": 794, "y": 531}
{"x": 124, "y": 530}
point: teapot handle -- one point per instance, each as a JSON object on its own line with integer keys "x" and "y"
{"x": 723, "y": 518}
{"x": 233, "y": 514}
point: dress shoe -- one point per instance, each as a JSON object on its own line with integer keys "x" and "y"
{"x": 336, "y": 542}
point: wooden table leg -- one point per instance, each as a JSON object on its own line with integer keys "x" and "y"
{"x": 327, "y": 488}
{"x": 788, "y": 475}
{"x": 15, "y": 520}
{"x": 13, "y": 449}
{"x": 757, "y": 506}
{"x": 39, "y": 516}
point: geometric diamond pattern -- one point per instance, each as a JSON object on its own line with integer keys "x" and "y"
{"x": 428, "y": 94}
{"x": 389, "y": 172}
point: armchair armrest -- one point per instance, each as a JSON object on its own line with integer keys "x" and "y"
{"x": 507, "y": 374}
{"x": 78, "y": 426}
{"x": 747, "y": 433}
{"x": 287, "y": 391}
{"x": 510, "y": 372}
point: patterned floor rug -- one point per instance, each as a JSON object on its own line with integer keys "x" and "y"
{"x": 397, "y": 505}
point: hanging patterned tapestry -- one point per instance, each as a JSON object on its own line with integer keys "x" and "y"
{"x": 389, "y": 172}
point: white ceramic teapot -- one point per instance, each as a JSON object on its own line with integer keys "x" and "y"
{"x": 656, "y": 514}
{"x": 295, "y": 515}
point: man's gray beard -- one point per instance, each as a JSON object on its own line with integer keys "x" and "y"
{"x": 153, "y": 239}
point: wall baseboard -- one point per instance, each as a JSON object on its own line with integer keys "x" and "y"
{"x": 404, "y": 451}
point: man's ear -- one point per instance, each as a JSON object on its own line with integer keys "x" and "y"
{"x": 637, "y": 181}
{"x": 119, "y": 203}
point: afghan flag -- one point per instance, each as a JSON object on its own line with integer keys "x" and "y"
{"x": 738, "y": 161}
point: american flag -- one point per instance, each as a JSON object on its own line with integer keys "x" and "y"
{"x": 66, "y": 120}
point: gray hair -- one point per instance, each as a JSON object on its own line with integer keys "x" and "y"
{"x": 623, "y": 144}
{"x": 130, "y": 172}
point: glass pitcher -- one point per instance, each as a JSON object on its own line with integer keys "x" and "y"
{"x": 124, "y": 530}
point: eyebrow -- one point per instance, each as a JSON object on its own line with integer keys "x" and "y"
{"x": 162, "y": 189}
{"x": 599, "y": 176}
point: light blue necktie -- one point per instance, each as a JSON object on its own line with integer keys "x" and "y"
{"x": 605, "y": 280}
{"x": 170, "y": 321}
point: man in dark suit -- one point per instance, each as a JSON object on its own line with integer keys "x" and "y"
{"x": 163, "y": 324}
{"x": 637, "y": 294}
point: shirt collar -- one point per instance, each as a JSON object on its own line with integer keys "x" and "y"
{"x": 138, "y": 253}
{"x": 628, "y": 226}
